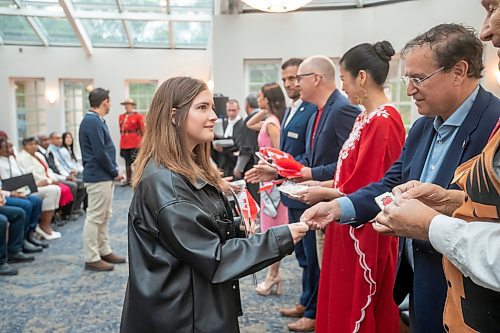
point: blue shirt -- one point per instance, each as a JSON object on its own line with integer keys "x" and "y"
{"x": 441, "y": 143}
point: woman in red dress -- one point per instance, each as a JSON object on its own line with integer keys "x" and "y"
{"x": 359, "y": 265}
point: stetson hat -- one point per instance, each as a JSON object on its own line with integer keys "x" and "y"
{"x": 128, "y": 101}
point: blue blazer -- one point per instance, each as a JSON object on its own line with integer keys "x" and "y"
{"x": 334, "y": 127}
{"x": 429, "y": 283}
{"x": 293, "y": 141}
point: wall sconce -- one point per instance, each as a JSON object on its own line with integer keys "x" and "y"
{"x": 210, "y": 85}
{"x": 51, "y": 96}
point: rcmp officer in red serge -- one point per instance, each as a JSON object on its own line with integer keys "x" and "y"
{"x": 131, "y": 132}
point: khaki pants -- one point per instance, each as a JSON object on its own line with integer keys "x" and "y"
{"x": 95, "y": 229}
{"x": 320, "y": 239}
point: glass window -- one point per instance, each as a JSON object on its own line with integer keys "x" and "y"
{"x": 149, "y": 33}
{"x": 17, "y": 30}
{"x": 58, "y": 31}
{"x": 191, "y": 6}
{"x": 105, "y": 32}
{"x": 142, "y": 93}
{"x": 30, "y": 107}
{"x": 260, "y": 72}
{"x": 76, "y": 104}
{"x": 191, "y": 34}
{"x": 396, "y": 90}
{"x": 145, "y": 5}
{"x": 93, "y": 5}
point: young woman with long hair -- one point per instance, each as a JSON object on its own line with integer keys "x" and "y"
{"x": 185, "y": 256}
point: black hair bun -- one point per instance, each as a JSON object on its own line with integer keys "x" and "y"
{"x": 384, "y": 50}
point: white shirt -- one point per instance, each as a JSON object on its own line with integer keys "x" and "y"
{"x": 474, "y": 248}
{"x": 9, "y": 167}
{"x": 230, "y": 125}
{"x": 294, "y": 106}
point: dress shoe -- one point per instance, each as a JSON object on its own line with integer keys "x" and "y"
{"x": 52, "y": 236}
{"x": 36, "y": 240}
{"x": 302, "y": 325}
{"x": 114, "y": 259}
{"x": 19, "y": 257}
{"x": 5, "y": 269}
{"x": 295, "y": 311}
{"x": 31, "y": 248}
{"x": 271, "y": 285}
{"x": 99, "y": 266}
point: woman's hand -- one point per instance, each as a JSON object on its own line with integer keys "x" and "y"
{"x": 17, "y": 194}
{"x": 298, "y": 231}
{"x": 260, "y": 173}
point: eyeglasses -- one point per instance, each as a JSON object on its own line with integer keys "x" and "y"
{"x": 300, "y": 76}
{"x": 418, "y": 82}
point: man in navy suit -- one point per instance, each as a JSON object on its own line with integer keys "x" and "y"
{"x": 442, "y": 71}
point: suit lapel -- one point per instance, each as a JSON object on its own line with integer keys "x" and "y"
{"x": 454, "y": 155}
{"x": 283, "y": 129}
{"x": 324, "y": 115}
{"x": 422, "y": 151}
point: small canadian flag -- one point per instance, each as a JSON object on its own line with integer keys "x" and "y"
{"x": 249, "y": 206}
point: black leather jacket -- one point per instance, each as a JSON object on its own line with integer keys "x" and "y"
{"x": 184, "y": 258}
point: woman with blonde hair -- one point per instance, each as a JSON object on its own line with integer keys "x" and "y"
{"x": 185, "y": 256}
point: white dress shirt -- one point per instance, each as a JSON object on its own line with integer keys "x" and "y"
{"x": 294, "y": 106}
{"x": 228, "y": 133}
{"x": 474, "y": 248}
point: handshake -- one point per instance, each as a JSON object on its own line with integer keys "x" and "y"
{"x": 414, "y": 206}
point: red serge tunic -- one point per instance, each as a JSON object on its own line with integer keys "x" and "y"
{"x": 131, "y": 130}
{"x": 359, "y": 264}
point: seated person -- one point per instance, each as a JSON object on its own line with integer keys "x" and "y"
{"x": 30, "y": 203}
{"x": 66, "y": 175}
{"x": 10, "y": 251}
{"x": 68, "y": 154}
{"x": 54, "y": 194}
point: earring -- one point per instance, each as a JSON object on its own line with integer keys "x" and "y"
{"x": 361, "y": 99}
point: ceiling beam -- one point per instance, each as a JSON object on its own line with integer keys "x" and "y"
{"x": 77, "y": 26}
{"x": 131, "y": 16}
{"x": 38, "y": 30}
{"x": 34, "y": 25}
{"x": 126, "y": 26}
{"x": 359, "y": 3}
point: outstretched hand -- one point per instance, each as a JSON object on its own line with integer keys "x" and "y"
{"x": 319, "y": 215}
{"x": 298, "y": 231}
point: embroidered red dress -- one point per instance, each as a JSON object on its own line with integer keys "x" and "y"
{"x": 359, "y": 264}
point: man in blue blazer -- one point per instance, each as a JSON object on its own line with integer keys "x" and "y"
{"x": 443, "y": 68}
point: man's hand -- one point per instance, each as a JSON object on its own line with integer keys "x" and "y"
{"x": 432, "y": 195}
{"x": 17, "y": 194}
{"x": 305, "y": 175}
{"x": 313, "y": 195}
{"x": 298, "y": 231}
{"x": 260, "y": 173}
{"x": 407, "y": 218}
{"x": 119, "y": 177}
{"x": 237, "y": 174}
{"x": 218, "y": 148}
{"x": 319, "y": 215}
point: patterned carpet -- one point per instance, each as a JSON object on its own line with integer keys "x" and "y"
{"x": 55, "y": 294}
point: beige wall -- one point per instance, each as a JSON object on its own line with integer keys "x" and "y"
{"x": 331, "y": 33}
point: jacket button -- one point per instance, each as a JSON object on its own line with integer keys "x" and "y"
{"x": 234, "y": 287}
{"x": 228, "y": 232}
